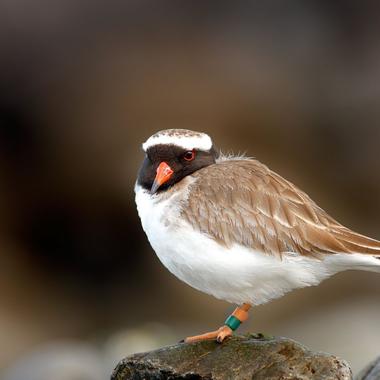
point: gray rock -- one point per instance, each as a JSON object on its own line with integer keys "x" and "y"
{"x": 371, "y": 372}
{"x": 242, "y": 357}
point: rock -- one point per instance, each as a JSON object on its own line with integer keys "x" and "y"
{"x": 371, "y": 372}
{"x": 242, "y": 357}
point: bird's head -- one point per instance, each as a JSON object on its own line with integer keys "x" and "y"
{"x": 173, "y": 154}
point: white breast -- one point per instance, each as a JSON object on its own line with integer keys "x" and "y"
{"x": 237, "y": 274}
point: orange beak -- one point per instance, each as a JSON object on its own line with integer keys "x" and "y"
{"x": 163, "y": 174}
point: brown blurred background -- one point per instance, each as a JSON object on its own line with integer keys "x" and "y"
{"x": 84, "y": 83}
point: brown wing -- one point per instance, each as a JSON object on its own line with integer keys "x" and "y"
{"x": 242, "y": 201}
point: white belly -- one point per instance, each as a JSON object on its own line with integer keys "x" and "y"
{"x": 237, "y": 274}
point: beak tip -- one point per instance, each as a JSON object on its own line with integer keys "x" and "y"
{"x": 154, "y": 188}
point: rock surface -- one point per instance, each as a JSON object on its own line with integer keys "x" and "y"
{"x": 243, "y": 357}
{"x": 372, "y": 372}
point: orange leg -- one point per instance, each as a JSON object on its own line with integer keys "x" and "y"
{"x": 239, "y": 315}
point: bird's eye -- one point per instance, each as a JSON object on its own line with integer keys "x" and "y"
{"x": 189, "y": 156}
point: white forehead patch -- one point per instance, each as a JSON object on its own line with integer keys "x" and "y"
{"x": 180, "y": 137}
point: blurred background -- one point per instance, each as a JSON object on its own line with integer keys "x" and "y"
{"x": 84, "y": 83}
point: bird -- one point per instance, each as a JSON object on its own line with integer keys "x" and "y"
{"x": 232, "y": 228}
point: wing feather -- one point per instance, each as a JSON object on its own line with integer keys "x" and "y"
{"x": 244, "y": 202}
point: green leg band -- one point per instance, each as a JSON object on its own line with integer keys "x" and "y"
{"x": 232, "y": 322}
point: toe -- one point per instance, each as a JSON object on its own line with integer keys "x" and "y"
{"x": 224, "y": 332}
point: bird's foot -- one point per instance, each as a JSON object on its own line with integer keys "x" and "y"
{"x": 220, "y": 335}
{"x": 223, "y": 333}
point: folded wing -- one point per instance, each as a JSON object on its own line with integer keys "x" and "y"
{"x": 243, "y": 202}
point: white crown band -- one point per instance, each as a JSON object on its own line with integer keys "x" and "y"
{"x": 187, "y": 141}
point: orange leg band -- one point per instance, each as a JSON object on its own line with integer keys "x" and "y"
{"x": 240, "y": 314}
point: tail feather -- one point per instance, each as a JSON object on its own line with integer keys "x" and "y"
{"x": 357, "y": 243}
{"x": 363, "y": 252}
{"x": 357, "y": 261}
